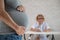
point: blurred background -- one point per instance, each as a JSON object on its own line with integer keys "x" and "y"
{"x": 49, "y": 8}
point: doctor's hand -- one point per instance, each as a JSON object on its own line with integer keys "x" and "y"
{"x": 38, "y": 30}
{"x": 21, "y": 8}
{"x": 35, "y": 30}
{"x": 20, "y": 30}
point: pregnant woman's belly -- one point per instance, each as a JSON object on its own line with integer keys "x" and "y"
{"x": 19, "y": 17}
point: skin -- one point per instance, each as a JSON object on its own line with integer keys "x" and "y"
{"x": 40, "y": 21}
{"x": 5, "y": 17}
{"x": 21, "y": 8}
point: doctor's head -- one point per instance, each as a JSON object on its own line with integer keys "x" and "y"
{"x": 40, "y": 18}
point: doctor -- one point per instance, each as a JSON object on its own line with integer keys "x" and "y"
{"x": 41, "y": 26}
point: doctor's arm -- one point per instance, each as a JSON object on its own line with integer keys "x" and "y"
{"x": 35, "y": 30}
{"x": 48, "y": 30}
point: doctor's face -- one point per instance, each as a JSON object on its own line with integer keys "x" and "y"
{"x": 40, "y": 19}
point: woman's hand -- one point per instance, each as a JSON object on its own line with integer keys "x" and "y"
{"x": 20, "y": 30}
{"x": 21, "y": 8}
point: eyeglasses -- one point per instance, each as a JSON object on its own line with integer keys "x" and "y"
{"x": 40, "y": 18}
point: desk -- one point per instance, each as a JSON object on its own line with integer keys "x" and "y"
{"x": 30, "y": 32}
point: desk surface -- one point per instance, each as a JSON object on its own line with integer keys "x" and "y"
{"x": 29, "y": 32}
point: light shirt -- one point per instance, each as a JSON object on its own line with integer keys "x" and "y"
{"x": 42, "y": 27}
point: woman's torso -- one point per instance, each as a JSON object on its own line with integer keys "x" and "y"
{"x": 19, "y": 17}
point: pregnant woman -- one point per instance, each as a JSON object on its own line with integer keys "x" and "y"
{"x": 13, "y": 20}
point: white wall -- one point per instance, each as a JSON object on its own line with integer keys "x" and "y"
{"x": 49, "y": 8}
